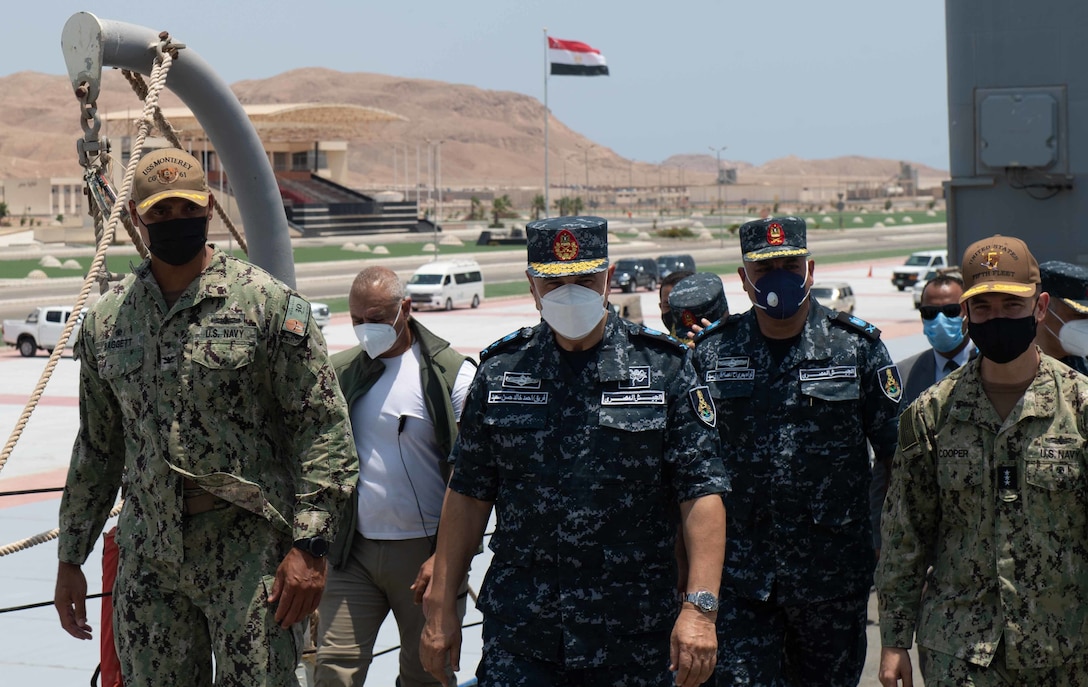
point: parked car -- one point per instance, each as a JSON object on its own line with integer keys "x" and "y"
{"x": 320, "y": 314}
{"x": 632, "y": 273}
{"x": 917, "y": 265}
{"x": 835, "y": 295}
{"x": 41, "y": 330}
{"x": 920, "y": 285}
{"x": 674, "y": 263}
{"x": 445, "y": 284}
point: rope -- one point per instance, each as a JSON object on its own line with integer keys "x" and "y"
{"x": 43, "y": 537}
{"x": 137, "y": 82}
{"x": 158, "y": 81}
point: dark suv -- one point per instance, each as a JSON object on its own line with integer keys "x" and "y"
{"x": 674, "y": 263}
{"x": 632, "y": 273}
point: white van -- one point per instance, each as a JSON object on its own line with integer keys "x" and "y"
{"x": 445, "y": 284}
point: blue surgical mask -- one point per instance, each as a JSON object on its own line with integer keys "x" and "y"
{"x": 943, "y": 333}
{"x": 780, "y": 293}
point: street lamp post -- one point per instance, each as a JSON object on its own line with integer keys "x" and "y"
{"x": 438, "y": 192}
{"x": 585, "y": 150}
{"x": 721, "y": 211}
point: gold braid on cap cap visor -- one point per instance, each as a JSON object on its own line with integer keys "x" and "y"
{"x": 562, "y": 269}
{"x": 198, "y": 197}
{"x": 755, "y": 256}
{"x": 999, "y": 287}
{"x": 1077, "y": 307}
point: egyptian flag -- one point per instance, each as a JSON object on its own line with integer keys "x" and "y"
{"x": 571, "y": 58}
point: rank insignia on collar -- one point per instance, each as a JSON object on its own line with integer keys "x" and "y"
{"x": 890, "y": 383}
{"x": 703, "y": 406}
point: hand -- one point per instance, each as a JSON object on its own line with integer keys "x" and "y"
{"x": 693, "y": 650}
{"x": 70, "y": 600}
{"x": 423, "y": 580}
{"x": 440, "y": 643}
{"x": 694, "y": 331}
{"x": 300, "y": 580}
{"x": 895, "y": 668}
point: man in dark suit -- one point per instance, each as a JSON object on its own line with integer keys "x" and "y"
{"x": 945, "y": 330}
{"x": 950, "y": 347}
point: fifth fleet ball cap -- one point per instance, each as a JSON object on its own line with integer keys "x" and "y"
{"x": 1000, "y": 264}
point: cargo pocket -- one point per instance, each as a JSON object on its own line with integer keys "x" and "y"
{"x": 1055, "y": 482}
{"x": 957, "y": 479}
{"x": 631, "y": 443}
{"x": 223, "y": 355}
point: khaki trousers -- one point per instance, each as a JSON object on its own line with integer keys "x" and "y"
{"x": 374, "y": 580}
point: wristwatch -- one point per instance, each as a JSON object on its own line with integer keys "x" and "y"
{"x": 317, "y": 547}
{"x": 704, "y": 601}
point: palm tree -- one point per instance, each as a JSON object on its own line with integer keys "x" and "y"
{"x": 3, "y": 210}
{"x": 501, "y": 207}
{"x": 476, "y": 209}
{"x": 537, "y": 207}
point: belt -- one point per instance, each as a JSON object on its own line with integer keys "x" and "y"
{"x": 201, "y": 503}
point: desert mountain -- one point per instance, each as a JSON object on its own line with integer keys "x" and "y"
{"x": 490, "y": 138}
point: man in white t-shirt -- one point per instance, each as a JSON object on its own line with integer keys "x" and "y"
{"x": 405, "y": 388}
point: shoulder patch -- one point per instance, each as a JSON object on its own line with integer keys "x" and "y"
{"x": 297, "y": 316}
{"x": 890, "y": 383}
{"x": 703, "y": 406}
{"x": 644, "y": 331}
{"x": 520, "y": 336}
{"x": 856, "y": 323}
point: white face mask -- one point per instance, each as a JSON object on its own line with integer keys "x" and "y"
{"x": 572, "y": 310}
{"x": 1073, "y": 336}
{"x": 377, "y": 337}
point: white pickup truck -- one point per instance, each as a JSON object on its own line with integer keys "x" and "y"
{"x": 40, "y": 330}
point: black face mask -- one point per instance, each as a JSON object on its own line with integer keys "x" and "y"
{"x": 1002, "y": 339}
{"x": 667, "y": 320}
{"x": 177, "y": 241}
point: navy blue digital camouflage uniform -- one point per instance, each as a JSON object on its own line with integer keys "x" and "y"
{"x": 799, "y": 557}
{"x": 586, "y": 469}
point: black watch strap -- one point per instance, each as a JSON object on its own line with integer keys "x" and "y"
{"x": 317, "y": 547}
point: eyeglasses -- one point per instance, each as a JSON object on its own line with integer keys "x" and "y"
{"x": 929, "y": 312}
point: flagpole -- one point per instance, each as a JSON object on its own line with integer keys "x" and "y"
{"x": 547, "y": 205}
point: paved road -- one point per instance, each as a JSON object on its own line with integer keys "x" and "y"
{"x": 331, "y": 279}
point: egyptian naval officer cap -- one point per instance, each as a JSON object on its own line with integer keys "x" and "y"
{"x": 999, "y": 264}
{"x": 773, "y": 237}
{"x": 1066, "y": 281}
{"x": 567, "y": 246}
{"x": 700, "y": 296}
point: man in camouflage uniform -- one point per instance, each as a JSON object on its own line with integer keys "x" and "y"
{"x": 206, "y": 394}
{"x": 593, "y": 439}
{"x": 990, "y": 487}
{"x": 799, "y": 389}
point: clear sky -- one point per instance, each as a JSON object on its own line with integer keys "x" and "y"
{"x": 767, "y": 78}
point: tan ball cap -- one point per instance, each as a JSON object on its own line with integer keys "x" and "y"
{"x": 168, "y": 173}
{"x": 1001, "y": 264}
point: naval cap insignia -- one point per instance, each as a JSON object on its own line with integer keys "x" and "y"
{"x": 565, "y": 246}
{"x": 775, "y": 235}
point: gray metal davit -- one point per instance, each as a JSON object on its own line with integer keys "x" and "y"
{"x": 90, "y": 43}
